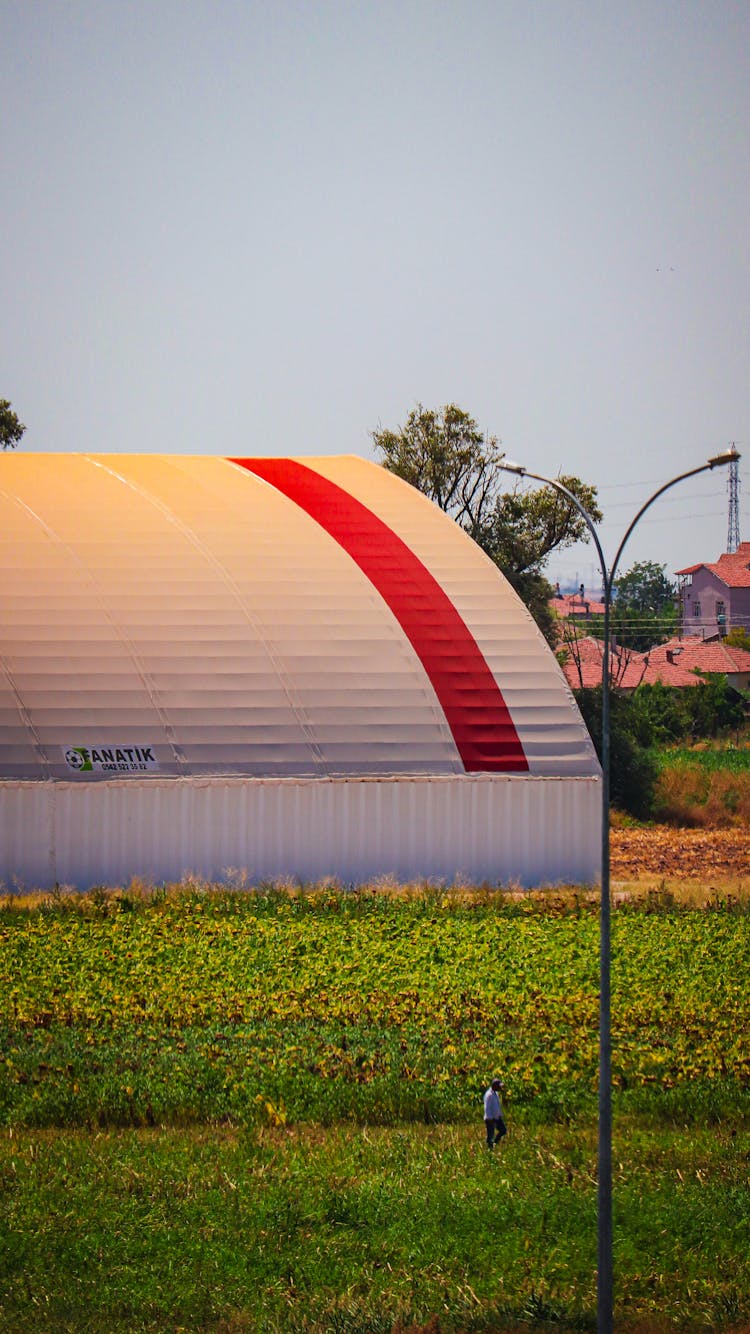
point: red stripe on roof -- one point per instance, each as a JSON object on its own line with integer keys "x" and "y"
{"x": 478, "y": 717}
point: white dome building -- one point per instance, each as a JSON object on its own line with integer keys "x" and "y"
{"x": 293, "y": 668}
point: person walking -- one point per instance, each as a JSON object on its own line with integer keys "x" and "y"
{"x": 493, "y": 1114}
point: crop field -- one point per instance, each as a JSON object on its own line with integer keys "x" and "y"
{"x": 273, "y": 1102}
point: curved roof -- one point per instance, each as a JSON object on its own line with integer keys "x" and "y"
{"x": 187, "y": 615}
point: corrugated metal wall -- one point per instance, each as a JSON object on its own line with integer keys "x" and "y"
{"x": 475, "y": 829}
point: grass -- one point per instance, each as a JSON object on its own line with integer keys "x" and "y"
{"x": 703, "y": 787}
{"x": 353, "y": 1229}
{"x": 233, "y": 1112}
{"x": 694, "y": 795}
{"x": 725, "y": 759}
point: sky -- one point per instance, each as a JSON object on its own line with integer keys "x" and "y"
{"x": 270, "y": 228}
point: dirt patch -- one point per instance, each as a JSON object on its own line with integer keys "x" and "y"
{"x": 694, "y": 854}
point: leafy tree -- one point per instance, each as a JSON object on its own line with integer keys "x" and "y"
{"x": 11, "y": 429}
{"x": 646, "y": 588}
{"x": 644, "y": 610}
{"x": 739, "y": 637}
{"x": 633, "y": 769}
{"x": 657, "y": 714}
{"x": 714, "y": 706}
{"x": 445, "y": 455}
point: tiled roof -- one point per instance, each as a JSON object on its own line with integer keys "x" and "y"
{"x": 733, "y": 568}
{"x": 649, "y": 671}
{"x": 704, "y": 656}
{"x": 628, "y": 668}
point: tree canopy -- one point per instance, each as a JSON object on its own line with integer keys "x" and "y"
{"x": 11, "y": 429}
{"x": 644, "y": 612}
{"x": 645, "y": 587}
{"x": 444, "y": 454}
{"x": 739, "y": 637}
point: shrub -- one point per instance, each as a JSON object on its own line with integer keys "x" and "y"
{"x": 633, "y": 769}
{"x": 656, "y": 715}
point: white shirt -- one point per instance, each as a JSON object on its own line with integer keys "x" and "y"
{"x": 492, "y": 1110}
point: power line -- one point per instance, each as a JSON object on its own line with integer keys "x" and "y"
{"x": 671, "y": 500}
{"x": 672, "y": 518}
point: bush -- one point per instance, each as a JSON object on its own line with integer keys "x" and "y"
{"x": 633, "y": 769}
{"x": 655, "y": 715}
{"x": 714, "y": 707}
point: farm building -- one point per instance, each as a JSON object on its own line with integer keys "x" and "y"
{"x": 284, "y": 668}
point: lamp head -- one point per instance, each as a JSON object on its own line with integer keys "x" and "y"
{"x": 721, "y": 460}
{"x": 511, "y": 466}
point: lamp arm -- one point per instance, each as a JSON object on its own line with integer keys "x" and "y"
{"x": 704, "y": 467}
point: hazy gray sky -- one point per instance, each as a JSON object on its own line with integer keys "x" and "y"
{"x": 244, "y": 228}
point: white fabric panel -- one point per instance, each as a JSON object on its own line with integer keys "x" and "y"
{"x": 184, "y": 604}
{"x": 469, "y": 829}
{"x": 552, "y": 732}
{"x": 181, "y": 604}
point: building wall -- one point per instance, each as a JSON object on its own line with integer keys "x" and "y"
{"x": 469, "y": 829}
{"x": 707, "y": 592}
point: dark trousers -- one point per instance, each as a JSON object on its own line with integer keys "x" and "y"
{"x": 496, "y": 1128}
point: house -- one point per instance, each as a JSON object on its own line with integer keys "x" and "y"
{"x": 678, "y": 663}
{"x": 627, "y": 667}
{"x": 715, "y": 598}
{"x": 705, "y": 656}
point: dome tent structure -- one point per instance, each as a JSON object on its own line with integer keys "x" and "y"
{"x": 294, "y": 667}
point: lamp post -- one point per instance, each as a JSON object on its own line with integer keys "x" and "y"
{"x": 604, "y": 1289}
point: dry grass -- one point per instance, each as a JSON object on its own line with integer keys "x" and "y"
{"x": 695, "y": 797}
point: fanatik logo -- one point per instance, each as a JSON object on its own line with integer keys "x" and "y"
{"x": 110, "y": 759}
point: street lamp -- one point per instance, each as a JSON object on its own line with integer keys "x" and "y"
{"x": 604, "y": 1216}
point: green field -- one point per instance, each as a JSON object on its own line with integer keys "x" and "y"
{"x": 227, "y": 1111}
{"x": 723, "y": 759}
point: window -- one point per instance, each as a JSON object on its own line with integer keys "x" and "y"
{"x": 696, "y": 610}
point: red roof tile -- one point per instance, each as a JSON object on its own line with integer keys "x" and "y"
{"x": 627, "y": 668}
{"x": 733, "y": 568}
{"x": 704, "y": 655}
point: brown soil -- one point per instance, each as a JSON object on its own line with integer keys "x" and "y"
{"x": 693, "y": 854}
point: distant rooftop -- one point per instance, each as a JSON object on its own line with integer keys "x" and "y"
{"x": 672, "y": 664}
{"x": 733, "y": 568}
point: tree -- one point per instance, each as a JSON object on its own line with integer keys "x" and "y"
{"x": 646, "y": 588}
{"x": 739, "y": 637}
{"x": 445, "y": 455}
{"x": 11, "y": 429}
{"x": 633, "y": 767}
{"x": 644, "y": 612}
